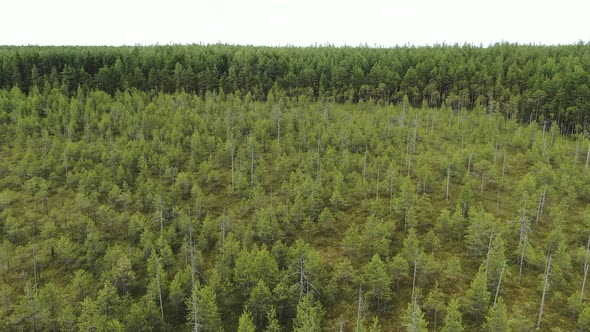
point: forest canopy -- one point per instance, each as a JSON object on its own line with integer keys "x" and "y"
{"x": 525, "y": 82}
{"x": 225, "y": 188}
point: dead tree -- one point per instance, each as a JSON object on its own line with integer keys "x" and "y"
{"x": 499, "y": 283}
{"x": 545, "y": 285}
{"x": 541, "y": 204}
{"x": 585, "y": 271}
{"x": 359, "y": 311}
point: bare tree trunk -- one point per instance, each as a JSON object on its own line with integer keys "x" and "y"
{"x": 378, "y": 170}
{"x": 587, "y": 159}
{"x": 523, "y": 235}
{"x": 585, "y": 271}
{"x": 35, "y": 260}
{"x": 488, "y": 255}
{"x": 159, "y": 289}
{"x": 191, "y": 248}
{"x": 503, "y": 170}
{"x": 482, "y": 183}
{"x": 541, "y": 204}
{"x": 233, "y": 182}
{"x": 448, "y": 181}
{"x": 415, "y": 133}
{"x": 391, "y": 191}
{"x": 279, "y": 129}
{"x": 544, "y": 142}
{"x": 408, "y": 151}
{"x": 252, "y": 169}
{"x": 161, "y": 212}
{"x": 499, "y": 283}
{"x": 577, "y": 152}
{"x": 522, "y": 256}
{"x": 545, "y": 285}
{"x": 223, "y": 228}
{"x": 196, "y": 323}
{"x": 359, "y": 311}
{"x": 365, "y": 164}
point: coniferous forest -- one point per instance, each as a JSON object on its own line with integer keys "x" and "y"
{"x": 242, "y": 188}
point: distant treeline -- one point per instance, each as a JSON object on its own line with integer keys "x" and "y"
{"x": 542, "y": 83}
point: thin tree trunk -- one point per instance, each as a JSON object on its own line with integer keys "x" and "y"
{"x": 448, "y": 181}
{"x": 585, "y": 271}
{"x": 159, "y": 289}
{"x": 503, "y": 170}
{"x": 544, "y": 142}
{"x": 391, "y": 191}
{"x": 365, "y": 164}
{"x": 415, "y": 133}
{"x": 577, "y": 152}
{"x": 408, "y": 151}
{"x": 232, "y": 168}
{"x": 378, "y": 170}
{"x": 252, "y": 169}
{"x": 196, "y": 323}
{"x": 359, "y": 311}
{"x": 488, "y": 255}
{"x": 191, "y": 248}
{"x": 161, "y": 212}
{"x": 482, "y": 183}
{"x": 541, "y": 204}
{"x": 522, "y": 256}
{"x": 546, "y": 283}
{"x": 499, "y": 283}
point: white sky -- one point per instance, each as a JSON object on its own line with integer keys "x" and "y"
{"x": 293, "y": 22}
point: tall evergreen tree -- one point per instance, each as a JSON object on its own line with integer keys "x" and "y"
{"x": 477, "y": 298}
{"x": 453, "y": 321}
{"x": 497, "y": 320}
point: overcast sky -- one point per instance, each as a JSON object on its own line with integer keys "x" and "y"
{"x": 293, "y": 22}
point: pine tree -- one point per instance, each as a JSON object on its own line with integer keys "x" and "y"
{"x": 434, "y": 303}
{"x": 273, "y": 323}
{"x": 259, "y": 303}
{"x": 413, "y": 318}
{"x": 377, "y": 282}
{"x": 497, "y": 320}
{"x": 584, "y": 320}
{"x": 203, "y": 314}
{"x": 453, "y": 321}
{"x": 245, "y": 323}
{"x": 495, "y": 263}
{"x": 309, "y": 315}
{"x": 478, "y": 297}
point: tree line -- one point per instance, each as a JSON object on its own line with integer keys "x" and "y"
{"x": 525, "y": 82}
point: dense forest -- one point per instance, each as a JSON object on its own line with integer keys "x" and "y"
{"x": 545, "y": 83}
{"x": 228, "y": 188}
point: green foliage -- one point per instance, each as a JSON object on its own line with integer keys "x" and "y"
{"x": 413, "y": 318}
{"x": 477, "y": 297}
{"x": 263, "y": 181}
{"x": 497, "y": 319}
{"x": 377, "y": 283}
{"x": 246, "y": 323}
{"x": 453, "y": 321}
{"x": 203, "y": 310}
{"x": 309, "y": 315}
{"x": 584, "y": 320}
